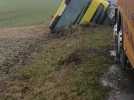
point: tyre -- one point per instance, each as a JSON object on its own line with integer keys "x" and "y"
{"x": 120, "y": 57}
{"x": 102, "y": 17}
{"x": 54, "y": 23}
{"x": 117, "y": 37}
{"x": 97, "y": 14}
{"x": 123, "y": 60}
{"x": 116, "y": 45}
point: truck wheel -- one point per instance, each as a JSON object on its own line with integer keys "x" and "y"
{"x": 98, "y": 14}
{"x": 120, "y": 57}
{"x": 123, "y": 60}
{"x": 52, "y": 26}
{"x": 117, "y": 39}
{"x": 119, "y": 43}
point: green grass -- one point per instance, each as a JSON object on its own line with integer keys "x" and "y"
{"x": 26, "y": 12}
{"x": 69, "y": 68}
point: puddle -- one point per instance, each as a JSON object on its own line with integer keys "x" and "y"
{"x": 121, "y": 83}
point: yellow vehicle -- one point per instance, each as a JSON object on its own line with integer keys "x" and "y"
{"x": 95, "y": 11}
{"x": 58, "y": 13}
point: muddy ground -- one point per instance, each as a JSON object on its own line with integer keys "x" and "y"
{"x": 19, "y": 46}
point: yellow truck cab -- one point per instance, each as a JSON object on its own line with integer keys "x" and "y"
{"x": 93, "y": 10}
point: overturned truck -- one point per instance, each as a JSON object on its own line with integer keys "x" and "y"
{"x": 71, "y": 12}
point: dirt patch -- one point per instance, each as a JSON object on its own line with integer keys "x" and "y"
{"x": 76, "y": 56}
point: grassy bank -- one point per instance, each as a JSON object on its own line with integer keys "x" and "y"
{"x": 26, "y": 12}
{"x": 69, "y": 68}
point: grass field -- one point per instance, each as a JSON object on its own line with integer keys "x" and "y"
{"x": 26, "y": 12}
{"x": 68, "y": 68}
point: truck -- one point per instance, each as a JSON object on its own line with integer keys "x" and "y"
{"x": 124, "y": 33}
